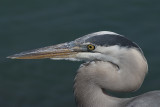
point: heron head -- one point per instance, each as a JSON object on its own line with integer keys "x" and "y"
{"x": 90, "y": 47}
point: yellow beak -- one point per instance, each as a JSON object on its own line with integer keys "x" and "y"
{"x": 65, "y": 50}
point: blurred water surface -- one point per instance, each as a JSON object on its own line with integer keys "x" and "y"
{"x": 33, "y": 24}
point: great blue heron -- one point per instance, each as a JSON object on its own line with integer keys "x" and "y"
{"x": 112, "y": 62}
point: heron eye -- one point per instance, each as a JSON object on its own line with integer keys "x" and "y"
{"x": 90, "y": 47}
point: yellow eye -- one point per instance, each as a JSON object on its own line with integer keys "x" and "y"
{"x": 90, "y": 47}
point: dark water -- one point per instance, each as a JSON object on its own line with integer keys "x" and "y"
{"x": 32, "y": 24}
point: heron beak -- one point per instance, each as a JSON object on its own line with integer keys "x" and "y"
{"x": 64, "y": 50}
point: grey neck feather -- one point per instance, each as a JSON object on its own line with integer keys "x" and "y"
{"x": 88, "y": 93}
{"x": 95, "y": 76}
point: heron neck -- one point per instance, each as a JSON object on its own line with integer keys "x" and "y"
{"x": 89, "y": 94}
{"x": 97, "y": 75}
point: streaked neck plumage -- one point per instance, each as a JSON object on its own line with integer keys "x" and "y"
{"x": 95, "y": 76}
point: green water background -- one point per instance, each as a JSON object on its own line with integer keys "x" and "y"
{"x": 30, "y": 24}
